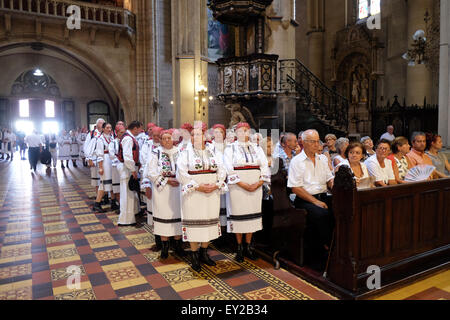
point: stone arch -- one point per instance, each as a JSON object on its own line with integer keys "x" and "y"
{"x": 97, "y": 68}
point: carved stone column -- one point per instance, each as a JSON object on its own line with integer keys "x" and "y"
{"x": 190, "y": 65}
{"x": 418, "y": 78}
{"x": 316, "y": 24}
{"x": 144, "y": 80}
{"x": 444, "y": 75}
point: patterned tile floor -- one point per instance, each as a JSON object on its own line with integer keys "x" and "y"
{"x": 48, "y": 231}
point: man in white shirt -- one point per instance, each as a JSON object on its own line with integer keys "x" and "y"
{"x": 129, "y": 166}
{"x": 34, "y": 143}
{"x": 310, "y": 177}
{"x": 389, "y": 135}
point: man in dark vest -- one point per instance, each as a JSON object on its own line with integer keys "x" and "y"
{"x": 128, "y": 166}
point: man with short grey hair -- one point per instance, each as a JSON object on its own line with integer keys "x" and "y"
{"x": 389, "y": 135}
{"x": 310, "y": 177}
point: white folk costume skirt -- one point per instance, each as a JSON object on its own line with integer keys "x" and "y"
{"x": 128, "y": 199}
{"x": 166, "y": 211}
{"x": 64, "y": 152}
{"x": 115, "y": 180}
{"x": 106, "y": 178}
{"x": 243, "y": 207}
{"x": 200, "y": 212}
{"x": 95, "y": 178}
{"x": 75, "y": 152}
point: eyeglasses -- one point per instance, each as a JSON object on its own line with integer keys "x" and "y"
{"x": 312, "y": 141}
{"x": 383, "y": 149}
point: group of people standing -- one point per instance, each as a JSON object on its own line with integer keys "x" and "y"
{"x": 187, "y": 181}
{"x": 7, "y": 144}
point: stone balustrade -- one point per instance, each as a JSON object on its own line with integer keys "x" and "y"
{"x": 91, "y": 13}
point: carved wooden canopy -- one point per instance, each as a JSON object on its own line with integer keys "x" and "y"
{"x": 237, "y": 12}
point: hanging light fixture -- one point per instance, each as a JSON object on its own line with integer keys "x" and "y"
{"x": 38, "y": 73}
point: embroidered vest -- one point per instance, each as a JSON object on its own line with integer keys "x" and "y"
{"x": 135, "y": 150}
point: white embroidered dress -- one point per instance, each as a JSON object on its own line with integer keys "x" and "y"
{"x": 245, "y": 162}
{"x": 102, "y": 152}
{"x": 113, "y": 151}
{"x": 165, "y": 198}
{"x": 200, "y": 211}
{"x": 144, "y": 156}
{"x": 89, "y": 148}
{"x": 64, "y": 147}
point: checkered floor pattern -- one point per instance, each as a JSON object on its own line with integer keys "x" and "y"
{"x": 48, "y": 230}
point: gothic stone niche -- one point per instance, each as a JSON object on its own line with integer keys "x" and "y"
{"x": 355, "y": 72}
{"x": 238, "y": 12}
{"x": 30, "y": 84}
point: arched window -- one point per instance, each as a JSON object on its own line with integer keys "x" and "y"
{"x": 96, "y": 110}
{"x": 368, "y": 8}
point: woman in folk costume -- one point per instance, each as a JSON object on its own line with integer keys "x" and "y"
{"x": 147, "y": 149}
{"x": 113, "y": 151}
{"x": 104, "y": 165}
{"x": 89, "y": 150}
{"x": 64, "y": 147}
{"x": 81, "y": 141}
{"x": 217, "y": 146}
{"x": 186, "y": 130}
{"x": 52, "y": 147}
{"x": 128, "y": 166}
{"x": 161, "y": 172}
{"x": 247, "y": 170}
{"x": 74, "y": 148}
{"x": 201, "y": 175}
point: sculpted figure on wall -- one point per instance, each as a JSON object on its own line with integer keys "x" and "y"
{"x": 240, "y": 114}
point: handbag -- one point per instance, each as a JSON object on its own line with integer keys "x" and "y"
{"x": 45, "y": 157}
{"x": 133, "y": 184}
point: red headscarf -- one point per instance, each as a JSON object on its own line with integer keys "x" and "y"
{"x": 168, "y": 131}
{"x": 157, "y": 130}
{"x": 243, "y": 125}
{"x": 187, "y": 126}
{"x": 150, "y": 125}
{"x": 221, "y": 126}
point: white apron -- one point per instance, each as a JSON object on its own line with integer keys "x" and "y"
{"x": 200, "y": 211}
{"x": 103, "y": 155}
{"x": 243, "y": 207}
{"x": 64, "y": 146}
{"x": 113, "y": 151}
{"x": 74, "y": 148}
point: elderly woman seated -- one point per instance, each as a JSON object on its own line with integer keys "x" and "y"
{"x": 400, "y": 162}
{"x": 341, "y": 146}
{"x": 368, "y": 147}
{"x": 380, "y": 167}
{"x": 354, "y": 154}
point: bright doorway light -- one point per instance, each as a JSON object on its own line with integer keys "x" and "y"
{"x": 49, "y": 127}
{"x": 25, "y": 126}
{"x": 49, "y": 109}
{"x": 38, "y": 73}
{"x": 24, "y": 108}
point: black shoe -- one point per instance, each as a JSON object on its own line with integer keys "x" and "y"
{"x": 240, "y": 253}
{"x": 98, "y": 208}
{"x": 75, "y": 165}
{"x": 249, "y": 253}
{"x": 165, "y": 250}
{"x": 62, "y": 166}
{"x": 114, "y": 205}
{"x": 204, "y": 258}
{"x": 178, "y": 246}
{"x": 105, "y": 200}
{"x": 158, "y": 244}
{"x": 195, "y": 262}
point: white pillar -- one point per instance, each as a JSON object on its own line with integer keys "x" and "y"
{"x": 444, "y": 75}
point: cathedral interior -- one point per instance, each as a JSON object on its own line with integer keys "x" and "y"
{"x": 347, "y": 67}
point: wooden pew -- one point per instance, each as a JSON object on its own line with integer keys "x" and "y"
{"x": 404, "y": 229}
{"x": 284, "y": 225}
